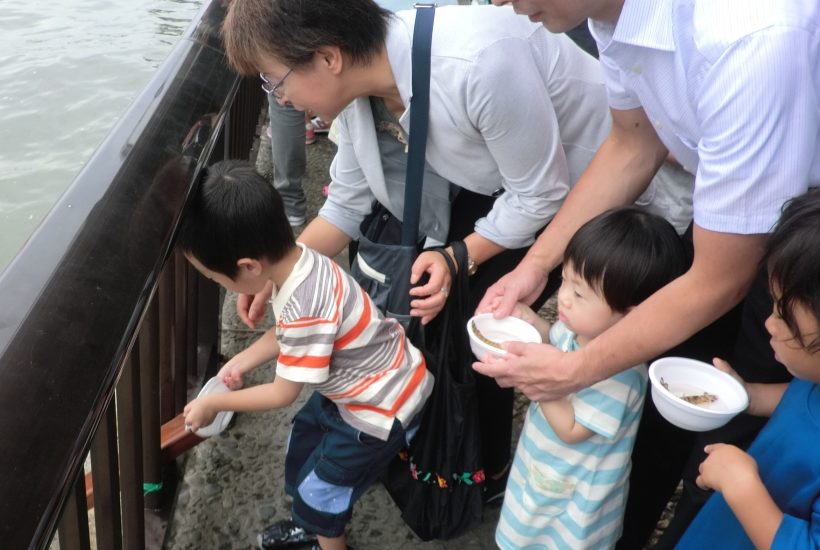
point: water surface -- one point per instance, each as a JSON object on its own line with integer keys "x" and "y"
{"x": 68, "y": 70}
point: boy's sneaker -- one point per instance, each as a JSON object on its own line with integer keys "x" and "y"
{"x": 310, "y": 134}
{"x": 284, "y": 534}
{"x": 296, "y": 221}
{"x": 319, "y": 125}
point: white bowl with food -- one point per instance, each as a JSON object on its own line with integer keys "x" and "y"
{"x": 487, "y": 333}
{"x": 694, "y": 395}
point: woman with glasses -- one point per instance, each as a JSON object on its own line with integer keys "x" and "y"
{"x": 516, "y": 113}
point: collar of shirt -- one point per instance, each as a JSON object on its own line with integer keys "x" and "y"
{"x": 398, "y": 44}
{"x": 646, "y": 23}
{"x": 300, "y": 271}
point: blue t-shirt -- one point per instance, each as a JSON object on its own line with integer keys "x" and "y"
{"x": 787, "y": 452}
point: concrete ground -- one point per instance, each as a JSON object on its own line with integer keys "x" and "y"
{"x": 233, "y": 483}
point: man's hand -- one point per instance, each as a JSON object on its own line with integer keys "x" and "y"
{"x": 251, "y": 309}
{"x": 726, "y": 467}
{"x": 540, "y": 371}
{"x": 523, "y": 284}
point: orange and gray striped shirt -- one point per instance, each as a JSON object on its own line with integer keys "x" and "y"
{"x": 332, "y": 336}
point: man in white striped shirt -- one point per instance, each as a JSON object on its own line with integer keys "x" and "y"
{"x": 732, "y": 89}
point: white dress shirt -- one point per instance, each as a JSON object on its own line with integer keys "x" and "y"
{"x": 733, "y": 90}
{"x": 512, "y": 107}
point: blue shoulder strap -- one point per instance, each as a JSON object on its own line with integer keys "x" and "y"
{"x": 419, "y": 113}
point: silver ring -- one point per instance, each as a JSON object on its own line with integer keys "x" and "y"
{"x": 444, "y": 291}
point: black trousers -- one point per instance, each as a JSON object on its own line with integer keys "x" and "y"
{"x": 495, "y": 403}
{"x": 664, "y": 455}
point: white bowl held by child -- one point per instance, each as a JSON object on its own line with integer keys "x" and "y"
{"x": 215, "y": 385}
{"x": 694, "y": 395}
{"x": 487, "y": 333}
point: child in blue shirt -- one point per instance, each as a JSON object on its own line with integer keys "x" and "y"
{"x": 769, "y": 496}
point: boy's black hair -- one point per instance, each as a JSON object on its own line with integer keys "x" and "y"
{"x": 291, "y": 31}
{"x": 792, "y": 258}
{"x": 626, "y": 254}
{"x": 235, "y": 214}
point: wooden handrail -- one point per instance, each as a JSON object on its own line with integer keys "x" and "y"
{"x": 175, "y": 440}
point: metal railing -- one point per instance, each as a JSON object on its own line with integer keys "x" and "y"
{"x": 102, "y": 324}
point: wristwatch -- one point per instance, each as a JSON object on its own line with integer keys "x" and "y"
{"x": 472, "y": 267}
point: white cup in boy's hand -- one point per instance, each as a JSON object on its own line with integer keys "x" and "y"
{"x": 202, "y": 421}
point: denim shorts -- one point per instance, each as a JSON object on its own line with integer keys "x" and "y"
{"x": 329, "y": 465}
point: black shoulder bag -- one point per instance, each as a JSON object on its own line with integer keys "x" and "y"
{"x": 438, "y": 481}
{"x": 388, "y": 247}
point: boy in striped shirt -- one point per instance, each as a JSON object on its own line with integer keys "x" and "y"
{"x": 370, "y": 382}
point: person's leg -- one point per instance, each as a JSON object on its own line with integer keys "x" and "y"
{"x": 305, "y": 436}
{"x": 753, "y": 359}
{"x": 662, "y": 450}
{"x": 334, "y": 543}
{"x": 496, "y": 403}
{"x": 289, "y": 160}
{"x": 665, "y": 455}
{"x": 338, "y": 472}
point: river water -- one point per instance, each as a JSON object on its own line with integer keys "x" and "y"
{"x": 68, "y": 70}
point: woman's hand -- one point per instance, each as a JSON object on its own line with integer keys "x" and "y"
{"x": 251, "y": 308}
{"x": 198, "y": 414}
{"x": 523, "y": 284}
{"x": 432, "y": 295}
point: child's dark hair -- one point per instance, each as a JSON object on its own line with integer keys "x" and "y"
{"x": 235, "y": 213}
{"x": 291, "y": 31}
{"x": 793, "y": 260}
{"x": 626, "y": 254}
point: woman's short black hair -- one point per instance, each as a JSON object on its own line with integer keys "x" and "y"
{"x": 291, "y": 31}
{"x": 235, "y": 213}
{"x": 792, "y": 258}
{"x": 626, "y": 254}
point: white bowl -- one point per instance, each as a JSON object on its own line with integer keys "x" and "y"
{"x": 215, "y": 385}
{"x": 686, "y": 377}
{"x": 508, "y": 329}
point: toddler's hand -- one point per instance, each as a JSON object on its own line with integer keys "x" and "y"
{"x": 524, "y": 312}
{"x": 231, "y": 374}
{"x": 198, "y": 414}
{"x": 520, "y": 310}
{"x": 726, "y": 466}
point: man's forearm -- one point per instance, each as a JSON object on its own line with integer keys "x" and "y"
{"x": 620, "y": 171}
{"x": 679, "y": 310}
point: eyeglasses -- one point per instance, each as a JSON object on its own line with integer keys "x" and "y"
{"x": 271, "y": 88}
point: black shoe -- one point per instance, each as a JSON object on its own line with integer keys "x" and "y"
{"x": 284, "y": 534}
